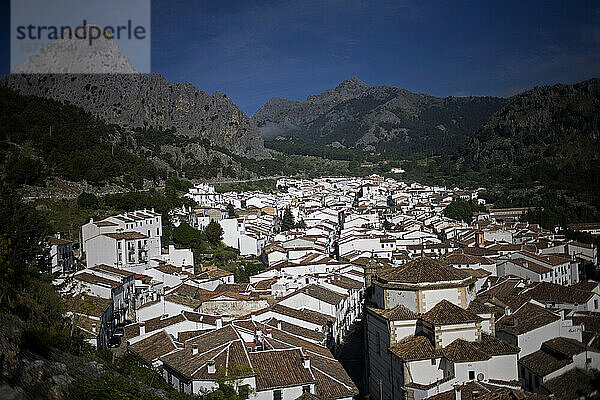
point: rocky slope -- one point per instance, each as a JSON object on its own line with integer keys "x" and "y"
{"x": 279, "y": 116}
{"x": 380, "y": 117}
{"x": 99, "y": 79}
{"x": 549, "y": 133}
{"x": 27, "y": 374}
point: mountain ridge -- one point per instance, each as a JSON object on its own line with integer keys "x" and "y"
{"x": 545, "y": 133}
{"x": 118, "y": 94}
{"x": 377, "y": 118}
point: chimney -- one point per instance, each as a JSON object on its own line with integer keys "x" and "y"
{"x": 194, "y": 349}
{"x": 219, "y": 322}
{"x": 457, "y": 392}
{"x": 211, "y": 367}
{"x": 268, "y": 332}
{"x": 279, "y": 325}
{"x": 142, "y": 326}
{"x": 305, "y": 361}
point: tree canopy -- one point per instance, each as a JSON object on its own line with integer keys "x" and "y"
{"x": 459, "y": 210}
{"x": 287, "y": 222}
{"x": 87, "y": 200}
{"x": 213, "y": 232}
{"x": 231, "y": 211}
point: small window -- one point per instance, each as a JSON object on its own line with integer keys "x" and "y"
{"x": 181, "y": 386}
{"x": 471, "y": 375}
{"x": 276, "y": 394}
{"x": 306, "y": 389}
{"x": 433, "y": 361}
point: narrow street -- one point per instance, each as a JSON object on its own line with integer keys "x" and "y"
{"x": 351, "y": 355}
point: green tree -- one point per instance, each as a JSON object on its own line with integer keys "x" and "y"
{"x": 186, "y": 236}
{"x": 386, "y": 225}
{"x": 174, "y": 185}
{"x": 213, "y": 232}
{"x": 459, "y": 210}
{"x": 26, "y": 289}
{"x": 23, "y": 253}
{"x": 24, "y": 170}
{"x": 87, "y": 200}
{"x": 231, "y": 211}
{"x": 301, "y": 224}
{"x": 287, "y": 222}
{"x": 385, "y": 167}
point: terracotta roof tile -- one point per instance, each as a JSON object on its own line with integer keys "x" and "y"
{"x": 280, "y": 368}
{"x": 398, "y": 313}
{"x": 447, "y": 313}
{"x": 462, "y": 351}
{"x": 551, "y": 292}
{"x": 493, "y": 346}
{"x": 97, "y": 280}
{"x": 542, "y": 363}
{"x": 568, "y": 385}
{"x": 526, "y": 319}
{"x": 422, "y": 270}
{"x": 126, "y": 235}
{"x": 153, "y": 347}
{"x": 414, "y": 348}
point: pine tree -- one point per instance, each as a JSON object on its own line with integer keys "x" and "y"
{"x": 287, "y": 222}
{"x": 213, "y": 232}
{"x": 231, "y": 211}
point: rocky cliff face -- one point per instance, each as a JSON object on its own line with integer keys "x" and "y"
{"x": 25, "y": 374}
{"x": 99, "y": 79}
{"x": 138, "y": 100}
{"x": 380, "y": 117}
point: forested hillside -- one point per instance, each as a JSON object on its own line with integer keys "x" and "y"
{"x": 383, "y": 119}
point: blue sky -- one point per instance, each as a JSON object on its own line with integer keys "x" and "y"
{"x": 253, "y": 50}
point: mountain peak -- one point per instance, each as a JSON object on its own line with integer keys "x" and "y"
{"x": 76, "y": 55}
{"x": 352, "y": 83}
